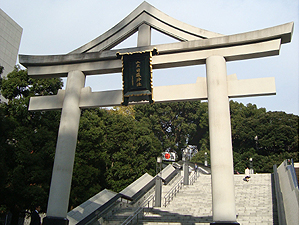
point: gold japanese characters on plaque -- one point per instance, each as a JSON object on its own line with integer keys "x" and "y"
{"x": 137, "y": 76}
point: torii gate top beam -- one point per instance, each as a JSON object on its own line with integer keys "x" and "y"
{"x": 145, "y": 14}
{"x": 282, "y": 32}
{"x": 57, "y": 65}
{"x": 195, "y": 46}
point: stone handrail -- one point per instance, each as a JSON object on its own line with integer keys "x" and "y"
{"x": 287, "y": 193}
{"x": 279, "y": 198}
{"x": 293, "y": 175}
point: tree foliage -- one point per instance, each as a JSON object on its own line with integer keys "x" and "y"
{"x": 27, "y": 143}
{"x": 176, "y": 124}
{"x": 277, "y": 136}
{"x": 277, "y": 132}
{"x": 113, "y": 150}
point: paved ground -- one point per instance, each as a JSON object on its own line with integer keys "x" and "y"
{"x": 193, "y": 203}
{"x": 254, "y": 199}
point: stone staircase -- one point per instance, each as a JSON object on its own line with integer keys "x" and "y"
{"x": 193, "y": 203}
{"x": 254, "y": 204}
{"x": 123, "y": 213}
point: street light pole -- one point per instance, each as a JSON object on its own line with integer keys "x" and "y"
{"x": 251, "y": 160}
{"x": 185, "y": 167}
{"x": 256, "y": 140}
{"x": 158, "y": 184}
{"x": 251, "y": 166}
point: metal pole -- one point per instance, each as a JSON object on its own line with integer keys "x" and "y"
{"x": 251, "y": 166}
{"x": 185, "y": 169}
{"x": 158, "y": 185}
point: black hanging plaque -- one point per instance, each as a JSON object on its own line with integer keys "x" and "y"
{"x": 137, "y": 76}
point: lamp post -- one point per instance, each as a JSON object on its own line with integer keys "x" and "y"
{"x": 185, "y": 167}
{"x": 256, "y": 140}
{"x": 159, "y": 161}
{"x": 158, "y": 184}
{"x": 251, "y": 160}
{"x": 251, "y": 166}
{"x": 205, "y": 160}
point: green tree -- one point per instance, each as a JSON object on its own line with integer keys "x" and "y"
{"x": 106, "y": 138}
{"x": 132, "y": 149}
{"x": 277, "y": 132}
{"x": 27, "y": 143}
{"x": 176, "y": 124}
{"x": 90, "y": 161}
{"x": 201, "y": 156}
{"x": 277, "y": 136}
{"x": 113, "y": 150}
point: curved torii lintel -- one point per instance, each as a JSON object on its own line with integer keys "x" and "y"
{"x": 260, "y": 43}
{"x": 145, "y": 13}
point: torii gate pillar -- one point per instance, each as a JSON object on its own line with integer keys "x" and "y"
{"x": 65, "y": 151}
{"x": 223, "y": 197}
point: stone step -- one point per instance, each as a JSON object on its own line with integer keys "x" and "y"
{"x": 165, "y": 216}
{"x": 119, "y": 216}
{"x": 193, "y": 204}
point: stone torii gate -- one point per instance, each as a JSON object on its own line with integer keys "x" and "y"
{"x": 196, "y": 46}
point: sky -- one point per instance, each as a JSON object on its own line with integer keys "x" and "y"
{"x": 52, "y": 27}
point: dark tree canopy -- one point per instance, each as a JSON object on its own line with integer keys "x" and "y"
{"x": 27, "y": 143}
{"x": 176, "y": 124}
{"x": 113, "y": 150}
{"x": 277, "y": 137}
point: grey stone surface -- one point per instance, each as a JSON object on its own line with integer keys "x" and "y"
{"x": 282, "y": 32}
{"x": 145, "y": 13}
{"x": 168, "y": 173}
{"x": 180, "y": 56}
{"x": 85, "y": 209}
{"x": 65, "y": 148}
{"x": 196, "y": 91}
{"x": 196, "y": 45}
{"x": 290, "y": 194}
{"x": 133, "y": 189}
{"x": 221, "y": 155}
{"x": 254, "y": 199}
{"x": 193, "y": 204}
{"x": 144, "y": 35}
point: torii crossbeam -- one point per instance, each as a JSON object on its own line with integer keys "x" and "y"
{"x": 197, "y": 46}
